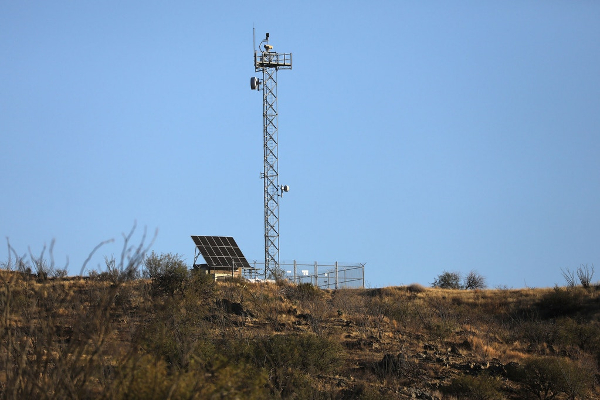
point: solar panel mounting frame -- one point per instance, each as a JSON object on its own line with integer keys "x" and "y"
{"x": 220, "y": 252}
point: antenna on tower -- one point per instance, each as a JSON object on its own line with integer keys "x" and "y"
{"x": 269, "y": 62}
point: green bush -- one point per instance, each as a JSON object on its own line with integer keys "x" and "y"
{"x": 167, "y": 272}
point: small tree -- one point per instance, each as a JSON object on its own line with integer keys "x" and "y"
{"x": 474, "y": 281}
{"x": 447, "y": 280}
{"x": 167, "y": 272}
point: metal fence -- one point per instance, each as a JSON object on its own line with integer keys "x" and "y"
{"x": 324, "y": 276}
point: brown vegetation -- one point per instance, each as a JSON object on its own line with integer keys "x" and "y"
{"x": 123, "y": 338}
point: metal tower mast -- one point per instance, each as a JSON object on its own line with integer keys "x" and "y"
{"x": 269, "y": 62}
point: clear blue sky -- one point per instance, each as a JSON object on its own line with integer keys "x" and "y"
{"x": 416, "y": 137}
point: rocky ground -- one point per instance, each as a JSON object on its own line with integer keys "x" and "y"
{"x": 86, "y": 338}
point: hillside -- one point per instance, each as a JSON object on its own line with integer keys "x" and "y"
{"x": 109, "y": 337}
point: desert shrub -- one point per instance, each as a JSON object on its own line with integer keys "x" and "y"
{"x": 227, "y": 379}
{"x": 309, "y": 353}
{"x": 19, "y": 264}
{"x": 277, "y": 274}
{"x": 348, "y": 301}
{"x": 576, "y": 380}
{"x": 474, "y": 280}
{"x": 111, "y": 274}
{"x": 363, "y": 391}
{"x": 547, "y": 377}
{"x": 447, "y": 280}
{"x": 400, "y": 310}
{"x": 569, "y": 277}
{"x": 482, "y": 387}
{"x": 167, "y": 272}
{"x": 60, "y": 273}
{"x": 176, "y": 328}
{"x": 537, "y": 377}
{"x": 118, "y": 272}
{"x": 150, "y": 378}
{"x": 561, "y": 302}
{"x": 378, "y": 310}
{"x": 441, "y": 330}
{"x": 584, "y": 334}
{"x": 202, "y": 287}
{"x": 302, "y": 292}
{"x": 289, "y": 359}
{"x": 395, "y": 365}
{"x": 585, "y": 275}
{"x": 45, "y": 269}
{"x": 416, "y": 288}
{"x": 127, "y": 267}
{"x": 106, "y": 276}
{"x": 144, "y": 378}
{"x": 440, "y": 319}
{"x": 161, "y": 342}
{"x": 537, "y": 332}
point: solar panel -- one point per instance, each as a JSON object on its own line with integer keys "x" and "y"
{"x": 220, "y": 251}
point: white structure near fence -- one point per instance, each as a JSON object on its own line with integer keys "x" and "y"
{"x": 324, "y": 276}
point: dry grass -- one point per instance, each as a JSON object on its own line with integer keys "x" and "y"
{"x": 87, "y": 338}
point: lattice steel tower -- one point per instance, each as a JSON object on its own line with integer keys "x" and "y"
{"x": 269, "y": 62}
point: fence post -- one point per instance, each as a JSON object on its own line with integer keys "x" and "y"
{"x": 363, "y": 275}
{"x": 316, "y": 275}
{"x": 295, "y": 272}
{"x": 336, "y": 274}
